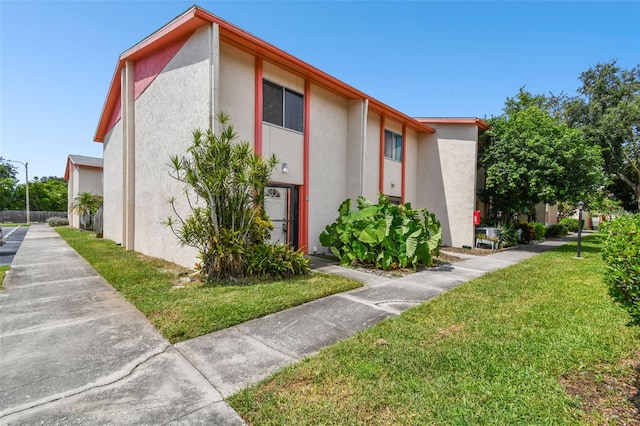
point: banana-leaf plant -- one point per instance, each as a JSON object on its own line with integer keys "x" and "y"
{"x": 383, "y": 235}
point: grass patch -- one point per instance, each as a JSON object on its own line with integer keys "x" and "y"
{"x": 3, "y": 271}
{"x": 493, "y": 351}
{"x": 11, "y": 224}
{"x": 184, "y": 313}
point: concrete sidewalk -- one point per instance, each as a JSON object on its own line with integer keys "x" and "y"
{"x": 73, "y": 351}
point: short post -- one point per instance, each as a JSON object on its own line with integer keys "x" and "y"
{"x": 580, "y": 207}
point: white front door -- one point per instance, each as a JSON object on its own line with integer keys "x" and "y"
{"x": 276, "y": 206}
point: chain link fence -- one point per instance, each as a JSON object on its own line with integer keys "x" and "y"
{"x": 20, "y": 216}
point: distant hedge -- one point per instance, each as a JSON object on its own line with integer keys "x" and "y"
{"x": 622, "y": 255}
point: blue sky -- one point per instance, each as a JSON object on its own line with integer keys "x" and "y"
{"x": 424, "y": 58}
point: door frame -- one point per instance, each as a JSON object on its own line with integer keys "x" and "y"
{"x": 293, "y": 211}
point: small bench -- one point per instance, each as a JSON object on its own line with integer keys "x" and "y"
{"x": 492, "y": 243}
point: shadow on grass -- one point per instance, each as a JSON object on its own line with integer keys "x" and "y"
{"x": 591, "y": 244}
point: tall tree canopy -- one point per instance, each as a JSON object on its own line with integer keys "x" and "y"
{"x": 607, "y": 110}
{"x": 8, "y": 184}
{"x": 45, "y": 194}
{"x": 530, "y": 156}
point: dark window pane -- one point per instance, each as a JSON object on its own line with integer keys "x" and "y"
{"x": 272, "y": 103}
{"x": 398, "y": 153}
{"x": 293, "y": 110}
{"x": 388, "y": 144}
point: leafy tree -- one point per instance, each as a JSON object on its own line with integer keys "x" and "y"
{"x": 45, "y": 194}
{"x": 529, "y": 157}
{"x": 608, "y": 112}
{"x": 8, "y": 183}
{"x": 86, "y": 205}
{"x": 225, "y": 184}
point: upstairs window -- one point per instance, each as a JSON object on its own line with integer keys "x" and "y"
{"x": 282, "y": 107}
{"x": 392, "y": 146}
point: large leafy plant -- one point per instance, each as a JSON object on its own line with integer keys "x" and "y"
{"x": 383, "y": 235}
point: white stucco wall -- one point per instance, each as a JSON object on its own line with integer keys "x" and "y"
{"x": 392, "y": 178}
{"x": 547, "y": 213}
{"x": 175, "y": 104}
{"x": 112, "y": 201}
{"x": 82, "y": 179}
{"x": 72, "y": 193}
{"x": 90, "y": 180}
{"x": 356, "y": 134}
{"x": 411, "y": 167}
{"x": 288, "y": 147}
{"x": 328, "y": 161}
{"x": 446, "y": 180}
{"x": 237, "y": 90}
{"x": 372, "y": 157}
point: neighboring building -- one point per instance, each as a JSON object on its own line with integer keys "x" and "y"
{"x": 450, "y": 177}
{"x": 82, "y": 174}
{"x": 334, "y": 142}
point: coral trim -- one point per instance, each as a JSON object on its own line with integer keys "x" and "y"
{"x": 186, "y": 24}
{"x": 381, "y": 157}
{"x": 404, "y": 164}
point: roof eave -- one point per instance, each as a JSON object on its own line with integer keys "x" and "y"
{"x": 194, "y": 18}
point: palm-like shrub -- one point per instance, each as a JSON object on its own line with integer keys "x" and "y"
{"x": 85, "y": 204}
{"x": 383, "y": 235}
{"x": 225, "y": 184}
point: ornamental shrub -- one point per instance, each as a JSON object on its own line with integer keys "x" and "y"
{"x": 622, "y": 254}
{"x": 58, "y": 221}
{"x": 556, "y": 230}
{"x": 508, "y": 235}
{"x": 276, "y": 261}
{"x": 383, "y": 235}
{"x": 570, "y": 223}
{"x": 540, "y": 230}
{"x": 528, "y": 232}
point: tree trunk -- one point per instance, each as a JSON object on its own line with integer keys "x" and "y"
{"x": 635, "y": 187}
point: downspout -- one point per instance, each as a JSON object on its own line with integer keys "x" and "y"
{"x": 381, "y": 157}
{"x": 363, "y": 144}
{"x": 214, "y": 74}
{"x": 129, "y": 155}
{"x": 403, "y": 178}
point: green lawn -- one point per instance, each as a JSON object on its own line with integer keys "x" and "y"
{"x": 185, "y": 313}
{"x": 3, "y": 271}
{"x": 493, "y": 351}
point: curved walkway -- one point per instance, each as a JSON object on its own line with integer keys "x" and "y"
{"x": 72, "y": 351}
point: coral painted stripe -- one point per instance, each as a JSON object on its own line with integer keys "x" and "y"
{"x": 147, "y": 69}
{"x": 304, "y": 190}
{"x": 381, "y": 159}
{"x": 404, "y": 163}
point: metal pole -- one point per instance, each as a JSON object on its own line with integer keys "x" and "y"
{"x": 26, "y": 172}
{"x": 580, "y": 205}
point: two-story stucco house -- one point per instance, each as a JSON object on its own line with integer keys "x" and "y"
{"x": 82, "y": 174}
{"x": 332, "y": 140}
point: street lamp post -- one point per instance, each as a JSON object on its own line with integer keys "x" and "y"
{"x": 580, "y": 207}
{"x": 26, "y": 173}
